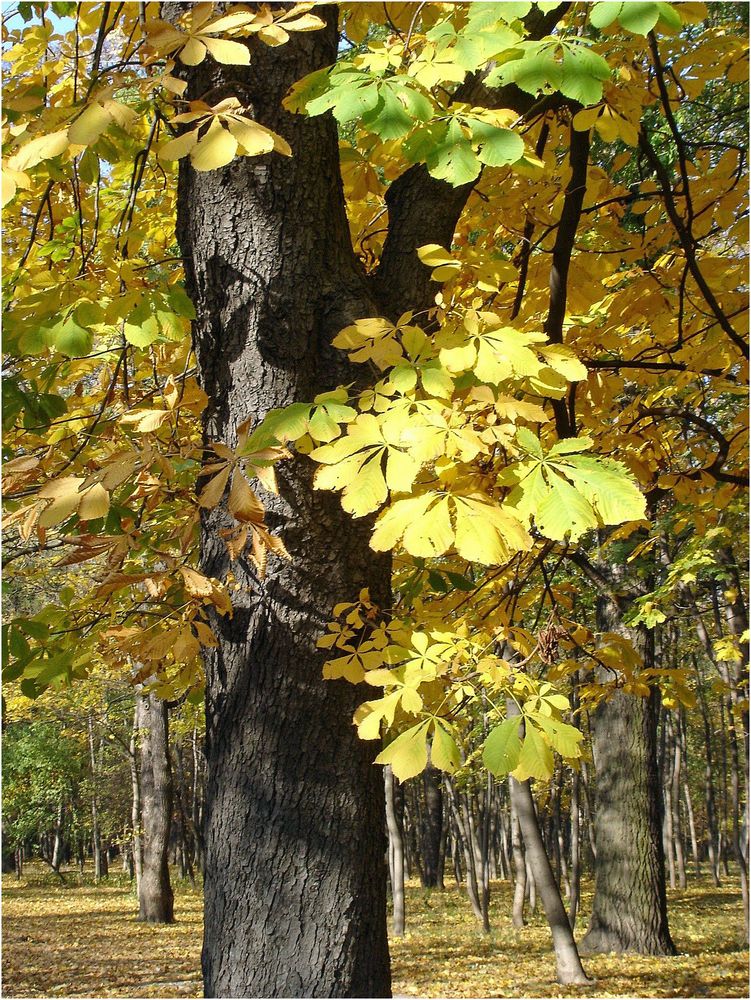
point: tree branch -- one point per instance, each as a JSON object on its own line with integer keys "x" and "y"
{"x": 562, "y": 251}
{"x": 425, "y": 210}
{"x": 602, "y": 584}
{"x": 687, "y": 244}
{"x": 716, "y": 468}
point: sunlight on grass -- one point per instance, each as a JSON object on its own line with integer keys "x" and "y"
{"x": 81, "y": 940}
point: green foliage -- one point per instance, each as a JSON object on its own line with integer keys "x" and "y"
{"x": 567, "y": 493}
{"x": 638, "y": 16}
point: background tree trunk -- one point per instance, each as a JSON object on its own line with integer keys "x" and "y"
{"x": 573, "y": 903}
{"x": 196, "y": 801}
{"x": 396, "y": 852}
{"x": 520, "y": 866}
{"x": 568, "y": 965}
{"x": 155, "y": 897}
{"x": 432, "y": 829}
{"x": 630, "y": 907}
{"x": 135, "y": 806}
{"x": 96, "y": 842}
{"x": 629, "y": 910}
{"x": 295, "y": 881}
{"x": 57, "y": 848}
{"x": 184, "y": 840}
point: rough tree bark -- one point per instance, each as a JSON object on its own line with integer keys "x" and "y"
{"x": 135, "y": 805}
{"x": 431, "y": 873}
{"x": 155, "y": 896}
{"x": 295, "y": 883}
{"x": 629, "y": 910}
{"x": 294, "y": 876}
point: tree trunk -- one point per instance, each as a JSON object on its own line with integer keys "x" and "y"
{"x": 432, "y": 829}
{"x": 442, "y": 856}
{"x": 186, "y": 864}
{"x": 8, "y": 855}
{"x": 722, "y": 842}
{"x": 407, "y": 803}
{"x": 396, "y": 853}
{"x": 478, "y": 856}
{"x": 96, "y": 842}
{"x": 520, "y": 866}
{"x": 503, "y": 833}
{"x": 665, "y": 766}
{"x": 709, "y": 796}
{"x": 691, "y": 826}
{"x": 675, "y": 804}
{"x": 629, "y": 910}
{"x": 155, "y": 897}
{"x": 464, "y": 839}
{"x": 589, "y": 811}
{"x": 455, "y": 850}
{"x": 573, "y": 903}
{"x": 485, "y": 841}
{"x": 135, "y": 803}
{"x": 740, "y": 856}
{"x": 531, "y": 886}
{"x": 196, "y": 803}
{"x": 295, "y": 881}
{"x": 568, "y": 965}
{"x": 57, "y": 848}
{"x": 559, "y": 835}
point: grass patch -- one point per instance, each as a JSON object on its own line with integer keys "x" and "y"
{"x": 82, "y": 940}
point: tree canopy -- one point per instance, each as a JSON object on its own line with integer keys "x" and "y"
{"x": 583, "y": 352}
{"x": 540, "y": 418}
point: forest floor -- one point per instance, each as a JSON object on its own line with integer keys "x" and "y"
{"x": 81, "y": 940}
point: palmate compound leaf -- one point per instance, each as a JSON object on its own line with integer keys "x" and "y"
{"x": 408, "y": 753}
{"x": 70, "y": 338}
{"x": 506, "y": 753}
{"x": 491, "y": 351}
{"x": 65, "y": 496}
{"x": 563, "y": 738}
{"x": 388, "y": 119}
{"x": 535, "y": 68}
{"x": 196, "y": 33}
{"x": 567, "y": 493}
{"x": 230, "y": 133}
{"x": 584, "y": 73}
{"x": 429, "y": 524}
{"x": 444, "y": 753}
{"x": 43, "y": 147}
{"x": 608, "y": 485}
{"x": 386, "y": 107}
{"x": 535, "y": 757}
{"x": 368, "y": 462}
{"x": 552, "y": 64}
{"x": 503, "y": 747}
{"x": 637, "y": 16}
{"x": 564, "y": 511}
{"x": 453, "y": 159}
{"x": 498, "y": 146}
